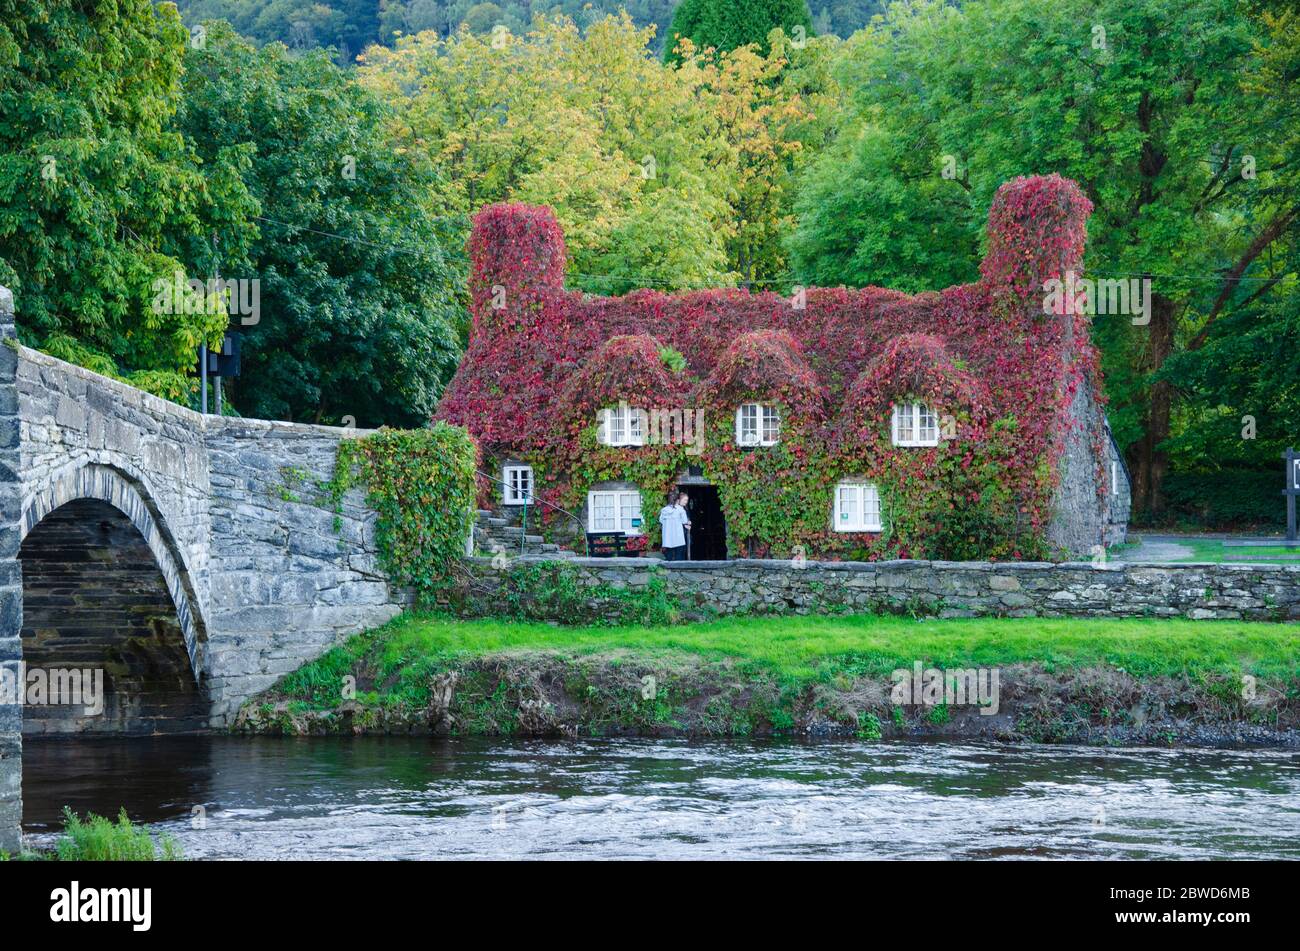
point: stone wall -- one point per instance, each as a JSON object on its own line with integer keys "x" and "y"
{"x": 948, "y": 589}
{"x": 263, "y": 574}
{"x": 289, "y": 577}
{"x": 1091, "y": 505}
{"x": 11, "y": 583}
{"x": 86, "y": 436}
{"x": 1120, "y": 497}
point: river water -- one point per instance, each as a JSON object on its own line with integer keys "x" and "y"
{"x": 412, "y": 798}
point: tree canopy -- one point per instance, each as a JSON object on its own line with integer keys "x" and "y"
{"x": 662, "y": 176}
{"x": 360, "y": 268}
{"x": 724, "y": 25}
{"x": 1175, "y": 122}
{"x": 99, "y": 196}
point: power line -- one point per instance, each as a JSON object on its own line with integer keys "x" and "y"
{"x": 392, "y": 246}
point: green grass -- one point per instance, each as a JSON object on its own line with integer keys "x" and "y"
{"x": 1213, "y": 549}
{"x": 403, "y": 655}
{"x": 96, "y": 839}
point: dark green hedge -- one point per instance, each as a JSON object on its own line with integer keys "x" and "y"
{"x": 1228, "y": 499}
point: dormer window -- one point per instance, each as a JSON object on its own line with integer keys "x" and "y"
{"x": 622, "y": 425}
{"x": 915, "y": 424}
{"x": 758, "y": 425}
{"x": 518, "y": 485}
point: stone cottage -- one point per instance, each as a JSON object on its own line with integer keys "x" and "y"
{"x": 828, "y": 423}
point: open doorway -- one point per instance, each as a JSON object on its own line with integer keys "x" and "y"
{"x": 708, "y": 526}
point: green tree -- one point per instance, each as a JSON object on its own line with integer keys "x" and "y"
{"x": 359, "y": 308}
{"x": 588, "y": 124}
{"x": 1239, "y": 374}
{"x": 724, "y": 25}
{"x": 1160, "y": 113}
{"x": 98, "y": 197}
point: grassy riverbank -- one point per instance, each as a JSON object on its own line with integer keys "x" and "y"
{"x": 1059, "y": 679}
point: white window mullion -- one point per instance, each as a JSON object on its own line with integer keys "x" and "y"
{"x": 629, "y": 508}
{"x": 857, "y": 507}
{"x": 915, "y": 424}
{"x": 518, "y": 485}
{"x": 613, "y": 511}
{"x": 757, "y": 425}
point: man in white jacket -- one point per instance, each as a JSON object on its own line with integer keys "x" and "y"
{"x": 673, "y": 521}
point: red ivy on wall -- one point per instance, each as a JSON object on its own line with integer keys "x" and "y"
{"x": 543, "y": 361}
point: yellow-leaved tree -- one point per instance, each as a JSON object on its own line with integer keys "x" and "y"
{"x": 669, "y": 176}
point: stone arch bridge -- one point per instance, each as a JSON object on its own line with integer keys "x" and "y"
{"x": 180, "y": 554}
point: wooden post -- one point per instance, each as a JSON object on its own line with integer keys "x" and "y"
{"x": 1292, "y": 490}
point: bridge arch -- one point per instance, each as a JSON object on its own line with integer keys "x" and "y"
{"x": 128, "y": 495}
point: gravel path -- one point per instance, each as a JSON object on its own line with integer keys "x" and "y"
{"x": 1156, "y": 548}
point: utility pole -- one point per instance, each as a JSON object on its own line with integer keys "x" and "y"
{"x": 1292, "y": 490}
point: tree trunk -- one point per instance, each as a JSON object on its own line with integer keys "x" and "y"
{"x": 1149, "y": 463}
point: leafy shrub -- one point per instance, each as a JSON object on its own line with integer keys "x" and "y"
{"x": 548, "y": 591}
{"x": 96, "y": 839}
{"x": 1230, "y": 498}
{"x": 421, "y": 484}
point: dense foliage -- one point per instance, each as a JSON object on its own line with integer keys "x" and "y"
{"x": 421, "y": 484}
{"x": 350, "y": 25}
{"x": 1179, "y": 124}
{"x": 724, "y": 25}
{"x": 543, "y": 362}
{"x": 360, "y": 275}
{"x": 99, "y": 196}
{"x": 672, "y": 177}
{"x": 137, "y": 159}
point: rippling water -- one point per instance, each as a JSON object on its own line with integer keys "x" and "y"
{"x": 400, "y": 798}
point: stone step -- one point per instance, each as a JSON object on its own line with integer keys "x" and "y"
{"x": 494, "y": 531}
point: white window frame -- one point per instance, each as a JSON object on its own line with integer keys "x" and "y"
{"x": 865, "y": 497}
{"x": 625, "y": 505}
{"x": 758, "y": 424}
{"x": 915, "y": 424}
{"x": 622, "y": 425}
{"x": 519, "y": 485}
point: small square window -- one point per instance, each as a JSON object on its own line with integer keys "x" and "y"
{"x": 758, "y": 425}
{"x": 518, "y": 485}
{"x": 621, "y": 425}
{"x": 915, "y": 424}
{"x": 857, "y": 507}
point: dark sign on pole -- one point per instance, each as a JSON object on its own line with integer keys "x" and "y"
{"x": 1292, "y": 490}
{"x": 224, "y": 362}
